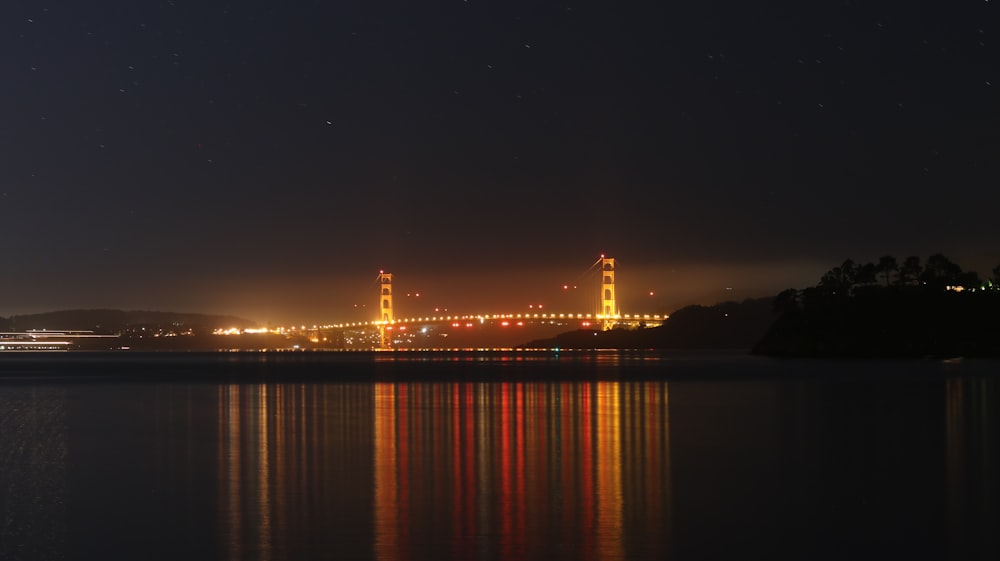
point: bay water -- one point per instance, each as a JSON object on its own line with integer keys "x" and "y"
{"x": 498, "y": 456}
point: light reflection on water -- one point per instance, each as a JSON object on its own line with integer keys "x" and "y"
{"x": 519, "y": 470}
{"x": 973, "y": 466}
{"x": 821, "y": 466}
{"x": 294, "y": 470}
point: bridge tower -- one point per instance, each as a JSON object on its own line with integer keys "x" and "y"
{"x": 385, "y": 318}
{"x": 609, "y": 308}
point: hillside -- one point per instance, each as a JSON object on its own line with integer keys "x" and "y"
{"x": 890, "y": 322}
{"x": 728, "y": 325}
{"x": 889, "y": 310}
{"x": 119, "y": 321}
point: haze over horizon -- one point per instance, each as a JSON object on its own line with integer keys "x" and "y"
{"x": 267, "y": 161}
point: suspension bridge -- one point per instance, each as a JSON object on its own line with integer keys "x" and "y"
{"x": 387, "y": 331}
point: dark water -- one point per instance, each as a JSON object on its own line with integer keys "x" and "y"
{"x": 421, "y": 457}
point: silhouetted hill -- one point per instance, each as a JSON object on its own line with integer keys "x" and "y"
{"x": 119, "y": 321}
{"x": 891, "y": 322}
{"x": 728, "y": 325}
{"x": 889, "y": 309}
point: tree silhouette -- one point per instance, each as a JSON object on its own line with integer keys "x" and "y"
{"x": 940, "y": 272}
{"x": 839, "y": 280}
{"x": 866, "y": 274}
{"x": 786, "y": 301}
{"x": 909, "y": 273}
{"x": 968, "y": 279}
{"x": 886, "y": 267}
{"x": 996, "y": 274}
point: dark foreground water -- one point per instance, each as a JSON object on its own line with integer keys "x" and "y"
{"x": 442, "y": 456}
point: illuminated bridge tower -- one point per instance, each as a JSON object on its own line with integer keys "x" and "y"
{"x": 385, "y": 318}
{"x": 609, "y": 309}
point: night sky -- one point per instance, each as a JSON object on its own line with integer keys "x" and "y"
{"x": 267, "y": 159}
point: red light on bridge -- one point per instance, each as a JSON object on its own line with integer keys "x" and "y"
{"x": 505, "y": 323}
